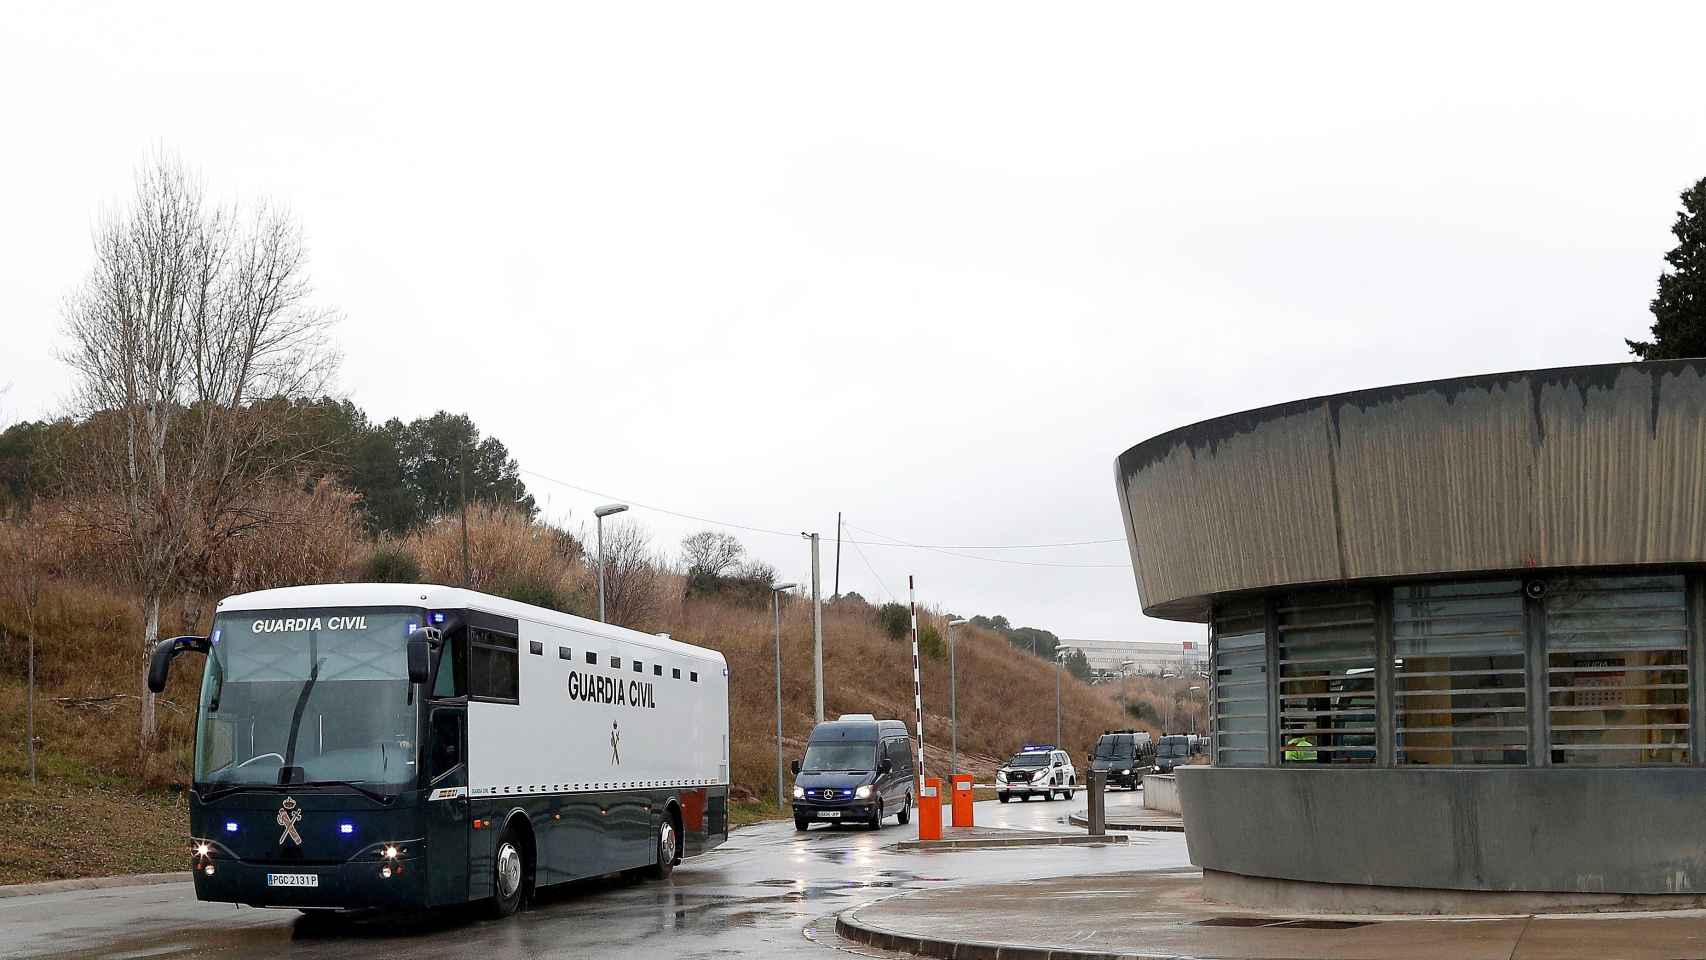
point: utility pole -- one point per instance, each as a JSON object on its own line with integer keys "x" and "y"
{"x": 837, "y": 592}
{"x": 817, "y": 625}
{"x": 462, "y": 495}
{"x": 917, "y": 688}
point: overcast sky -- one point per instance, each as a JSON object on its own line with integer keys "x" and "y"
{"x": 931, "y": 265}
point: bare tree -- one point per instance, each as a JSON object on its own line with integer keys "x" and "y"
{"x": 24, "y": 580}
{"x": 710, "y": 554}
{"x": 633, "y": 576}
{"x": 189, "y": 337}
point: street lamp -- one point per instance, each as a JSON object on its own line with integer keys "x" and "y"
{"x": 1059, "y": 663}
{"x": 776, "y": 610}
{"x": 1125, "y": 665}
{"x": 1193, "y": 710}
{"x": 600, "y": 514}
{"x": 953, "y": 709}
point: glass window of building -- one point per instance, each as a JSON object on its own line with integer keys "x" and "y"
{"x": 1458, "y": 684}
{"x": 1238, "y": 652}
{"x": 1617, "y": 669}
{"x": 1326, "y": 677}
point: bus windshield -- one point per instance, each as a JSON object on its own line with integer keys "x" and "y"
{"x": 856, "y": 755}
{"x": 324, "y": 689}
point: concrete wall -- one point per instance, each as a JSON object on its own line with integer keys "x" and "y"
{"x": 1161, "y": 792}
{"x": 1578, "y": 466}
{"x": 1582, "y": 830}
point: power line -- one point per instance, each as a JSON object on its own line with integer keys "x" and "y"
{"x": 966, "y": 556}
{"x": 873, "y": 570}
{"x": 887, "y": 540}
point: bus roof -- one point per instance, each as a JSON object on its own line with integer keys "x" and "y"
{"x": 436, "y": 597}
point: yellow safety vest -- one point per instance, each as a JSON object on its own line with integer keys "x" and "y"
{"x": 1299, "y": 750}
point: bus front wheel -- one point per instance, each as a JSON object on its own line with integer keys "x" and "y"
{"x": 509, "y": 873}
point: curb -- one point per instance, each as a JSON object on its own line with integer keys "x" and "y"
{"x": 1157, "y": 826}
{"x": 91, "y": 883}
{"x": 850, "y": 927}
{"x": 1062, "y": 840}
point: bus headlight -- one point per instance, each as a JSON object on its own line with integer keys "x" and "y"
{"x": 203, "y": 851}
{"x": 391, "y": 851}
{"x": 864, "y": 792}
{"x": 799, "y": 792}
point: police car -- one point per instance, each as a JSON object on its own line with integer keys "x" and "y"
{"x": 1037, "y": 770}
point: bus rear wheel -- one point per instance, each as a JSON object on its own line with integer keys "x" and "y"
{"x": 667, "y": 841}
{"x": 509, "y": 874}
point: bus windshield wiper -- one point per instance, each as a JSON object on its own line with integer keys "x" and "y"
{"x": 230, "y": 788}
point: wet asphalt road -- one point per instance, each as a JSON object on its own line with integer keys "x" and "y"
{"x": 754, "y": 897}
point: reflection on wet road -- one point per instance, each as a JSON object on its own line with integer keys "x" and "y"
{"x": 753, "y": 897}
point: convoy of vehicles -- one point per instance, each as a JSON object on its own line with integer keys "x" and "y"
{"x": 404, "y": 746}
{"x": 857, "y": 769}
{"x": 1036, "y": 771}
{"x": 1125, "y": 755}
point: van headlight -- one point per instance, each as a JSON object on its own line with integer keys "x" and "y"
{"x": 1124, "y": 772}
{"x": 799, "y": 792}
{"x": 863, "y": 793}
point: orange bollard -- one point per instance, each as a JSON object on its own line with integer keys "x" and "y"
{"x": 930, "y": 810}
{"x": 962, "y": 799}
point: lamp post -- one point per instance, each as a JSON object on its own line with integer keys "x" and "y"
{"x": 1193, "y": 709}
{"x": 776, "y": 610}
{"x": 1059, "y": 665}
{"x": 953, "y": 708}
{"x": 1125, "y": 665}
{"x": 599, "y": 515}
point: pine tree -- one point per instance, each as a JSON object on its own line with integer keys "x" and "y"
{"x": 1679, "y": 310}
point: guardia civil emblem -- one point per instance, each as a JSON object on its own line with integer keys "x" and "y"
{"x": 288, "y": 817}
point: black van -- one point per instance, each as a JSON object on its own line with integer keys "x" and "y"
{"x": 1174, "y": 750}
{"x": 1126, "y": 755}
{"x": 857, "y": 768}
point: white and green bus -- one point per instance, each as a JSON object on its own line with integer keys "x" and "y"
{"x": 407, "y": 746}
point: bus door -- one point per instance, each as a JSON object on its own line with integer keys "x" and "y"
{"x": 447, "y": 806}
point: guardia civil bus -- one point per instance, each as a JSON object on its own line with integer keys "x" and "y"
{"x": 406, "y": 746}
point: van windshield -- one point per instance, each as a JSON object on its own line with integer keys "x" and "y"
{"x": 1174, "y": 747}
{"x": 1108, "y": 748}
{"x": 850, "y": 755}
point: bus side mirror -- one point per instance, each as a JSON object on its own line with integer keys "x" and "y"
{"x": 794, "y": 765}
{"x": 160, "y": 662}
{"x": 420, "y": 661}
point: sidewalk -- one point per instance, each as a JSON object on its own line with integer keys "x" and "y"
{"x": 91, "y": 883}
{"x": 1142, "y": 819}
{"x": 1161, "y": 914}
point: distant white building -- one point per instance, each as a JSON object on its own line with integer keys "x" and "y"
{"x": 1148, "y": 657}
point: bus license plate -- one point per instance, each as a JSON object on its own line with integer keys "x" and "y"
{"x": 830, "y": 814}
{"x": 293, "y": 880}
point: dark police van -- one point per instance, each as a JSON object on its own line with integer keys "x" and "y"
{"x": 856, "y": 768}
{"x": 1125, "y": 755}
{"x": 1173, "y": 751}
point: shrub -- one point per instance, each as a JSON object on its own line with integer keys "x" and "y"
{"x": 896, "y": 619}
{"x": 391, "y": 563}
{"x": 930, "y": 643}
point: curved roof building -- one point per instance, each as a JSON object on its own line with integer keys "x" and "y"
{"x": 1454, "y": 626}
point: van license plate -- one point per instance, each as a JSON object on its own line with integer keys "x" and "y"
{"x": 293, "y": 879}
{"x": 830, "y": 814}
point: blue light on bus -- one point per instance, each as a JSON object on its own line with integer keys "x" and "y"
{"x": 346, "y": 828}
{"x": 412, "y": 629}
{"x": 230, "y": 826}
{"x": 438, "y": 618}
{"x": 216, "y": 632}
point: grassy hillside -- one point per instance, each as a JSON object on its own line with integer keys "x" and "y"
{"x": 106, "y": 807}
